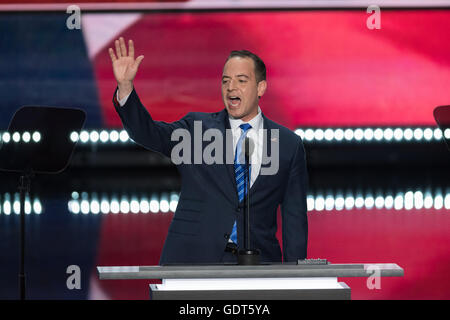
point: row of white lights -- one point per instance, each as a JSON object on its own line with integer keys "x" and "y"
{"x": 102, "y": 136}
{"x": 9, "y": 205}
{"x": 308, "y": 135}
{"x": 372, "y": 134}
{"x": 168, "y": 203}
{"x": 26, "y": 137}
{"x": 409, "y": 200}
{"x": 154, "y": 203}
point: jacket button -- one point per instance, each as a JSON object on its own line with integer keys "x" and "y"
{"x": 226, "y": 236}
{"x": 238, "y": 209}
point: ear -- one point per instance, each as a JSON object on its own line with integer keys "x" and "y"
{"x": 262, "y": 86}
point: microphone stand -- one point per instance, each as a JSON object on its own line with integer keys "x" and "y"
{"x": 247, "y": 256}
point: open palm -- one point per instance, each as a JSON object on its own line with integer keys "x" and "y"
{"x": 124, "y": 65}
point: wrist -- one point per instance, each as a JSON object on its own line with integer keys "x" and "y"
{"x": 124, "y": 89}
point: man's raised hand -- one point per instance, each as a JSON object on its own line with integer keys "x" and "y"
{"x": 124, "y": 66}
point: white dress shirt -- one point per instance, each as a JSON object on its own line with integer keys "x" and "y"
{"x": 255, "y": 133}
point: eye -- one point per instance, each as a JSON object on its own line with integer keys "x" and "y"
{"x": 242, "y": 81}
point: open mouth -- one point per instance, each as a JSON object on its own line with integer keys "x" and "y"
{"x": 234, "y": 101}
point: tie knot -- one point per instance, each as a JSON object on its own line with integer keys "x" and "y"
{"x": 245, "y": 126}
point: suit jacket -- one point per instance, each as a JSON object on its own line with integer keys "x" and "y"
{"x": 208, "y": 204}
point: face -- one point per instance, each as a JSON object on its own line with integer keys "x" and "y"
{"x": 240, "y": 91}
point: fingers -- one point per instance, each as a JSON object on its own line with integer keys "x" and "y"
{"x": 131, "y": 48}
{"x": 117, "y": 49}
{"x": 112, "y": 55}
{"x": 138, "y": 61}
{"x": 123, "y": 48}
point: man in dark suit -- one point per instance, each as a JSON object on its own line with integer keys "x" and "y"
{"x": 207, "y": 226}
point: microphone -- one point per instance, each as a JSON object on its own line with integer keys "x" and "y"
{"x": 248, "y": 148}
{"x": 247, "y": 256}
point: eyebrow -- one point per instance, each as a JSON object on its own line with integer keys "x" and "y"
{"x": 239, "y": 75}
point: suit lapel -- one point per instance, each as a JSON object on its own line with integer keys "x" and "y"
{"x": 227, "y": 170}
{"x": 262, "y": 179}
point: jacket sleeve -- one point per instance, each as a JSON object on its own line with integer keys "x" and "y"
{"x": 294, "y": 209}
{"x": 153, "y": 135}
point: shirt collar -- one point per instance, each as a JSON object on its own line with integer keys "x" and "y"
{"x": 255, "y": 122}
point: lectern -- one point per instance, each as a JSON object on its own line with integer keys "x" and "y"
{"x": 262, "y": 282}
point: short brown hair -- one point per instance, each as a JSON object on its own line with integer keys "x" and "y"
{"x": 260, "y": 67}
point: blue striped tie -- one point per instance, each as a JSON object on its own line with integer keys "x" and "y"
{"x": 239, "y": 168}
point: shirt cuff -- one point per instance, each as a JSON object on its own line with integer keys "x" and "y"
{"x": 123, "y": 100}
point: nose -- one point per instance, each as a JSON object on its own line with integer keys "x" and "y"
{"x": 231, "y": 85}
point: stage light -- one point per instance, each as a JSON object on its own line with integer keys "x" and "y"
{"x": 368, "y": 134}
{"x": 154, "y": 204}
{"x": 438, "y": 201}
{"x": 6, "y": 137}
{"x": 319, "y": 203}
{"x": 113, "y": 136}
{"x": 26, "y": 137}
{"x": 437, "y": 133}
{"x": 123, "y": 136}
{"x": 84, "y": 205}
{"x": 408, "y": 134}
{"x": 329, "y": 134}
{"x": 378, "y": 134}
{"x": 359, "y": 134}
{"x": 447, "y": 201}
{"x": 36, "y": 136}
{"x": 339, "y": 134}
{"x": 94, "y": 136}
{"x": 16, "y": 137}
{"x": 84, "y": 136}
{"x": 124, "y": 206}
{"x": 398, "y": 201}
{"x": 37, "y": 207}
{"x": 310, "y": 203}
{"x": 379, "y": 202}
{"x": 418, "y": 200}
{"x": 428, "y": 134}
{"x": 409, "y": 200}
{"x": 369, "y": 202}
{"x": 428, "y": 200}
{"x": 348, "y": 134}
{"x": 389, "y": 202}
{"x": 104, "y": 136}
{"x": 95, "y": 206}
{"x": 300, "y": 133}
{"x": 74, "y": 136}
{"x": 398, "y": 134}
{"x": 144, "y": 206}
{"x": 173, "y": 201}
{"x": 388, "y": 134}
{"x": 27, "y": 206}
{"x": 418, "y": 134}
{"x": 349, "y": 202}
{"x": 74, "y": 206}
{"x": 339, "y": 203}
{"x": 447, "y": 133}
{"x": 329, "y": 203}
{"x": 115, "y": 206}
{"x": 7, "y": 207}
{"x": 309, "y": 134}
{"x": 318, "y": 134}
{"x": 134, "y": 206}
{"x": 359, "y": 202}
{"x": 104, "y": 206}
